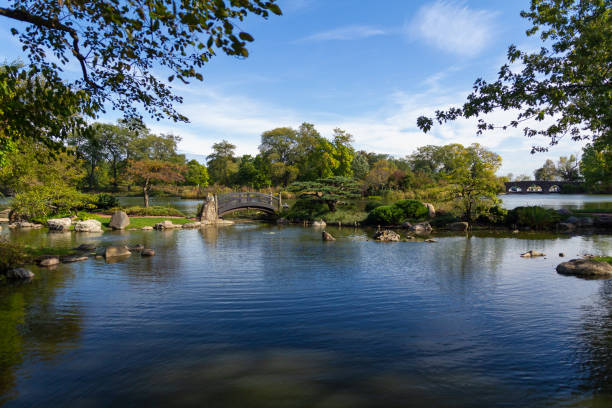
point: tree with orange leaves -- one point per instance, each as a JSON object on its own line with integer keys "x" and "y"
{"x": 146, "y": 173}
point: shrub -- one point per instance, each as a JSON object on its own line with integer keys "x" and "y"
{"x": 306, "y": 210}
{"x": 494, "y": 215}
{"x": 412, "y": 208}
{"x": 444, "y": 219}
{"x": 12, "y": 255}
{"x": 157, "y": 211}
{"x": 41, "y": 201}
{"x": 385, "y": 215}
{"x": 534, "y": 216}
{"x": 105, "y": 201}
{"x": 370, "y": 205}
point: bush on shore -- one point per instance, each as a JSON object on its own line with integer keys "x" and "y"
{"x": 397, "y": 213}
{"x": 533, "y": 216}
{"x": 12, "y": 255}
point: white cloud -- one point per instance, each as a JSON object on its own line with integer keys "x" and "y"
{"x": 353, "y": 32}
{"x": 453, "y": 27}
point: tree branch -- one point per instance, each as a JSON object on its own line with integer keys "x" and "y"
{"x": 52, "y": 24}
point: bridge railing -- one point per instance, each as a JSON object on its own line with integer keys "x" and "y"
{"x": 236, "y": 200}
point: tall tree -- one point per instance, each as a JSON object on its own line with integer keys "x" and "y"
{"x": 343, "y": 152}
{"x": 120, "y": 48}
{"x": 221, "y": 164}
{"x": 360, "y": 166}
{"x": 90, "y": 147}
{"x": 568, "y": 168}
{"x": 114, "y": 140}
{"x": 596, "y": 167}
{"x": 196, "y": 174}
{"x": 329, "y": 190}
{"x": 567, "y": 82}
{"x": 280, "y": 147}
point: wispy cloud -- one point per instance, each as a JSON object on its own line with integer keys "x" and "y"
{"x": 453, "y": 27}
{"x": 353, "y": 32}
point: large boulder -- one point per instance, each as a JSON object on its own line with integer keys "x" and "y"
{"x": 208, "y": 212}
{"x": 458, "y": 226}
{"x": 585, "y": 267}
{"x": 119, "y": 220}
{"x": 532, "y": 254}
{"x": 387, "y": 236}
{"x": 59, "y": 224}
{"x": 116, "y": 251}
{"x": 19, "y": 273}
{"x": 319, "y": 224}
{"x": 88, "y": 226}
{"x": 431, "y": 211}
{"x": 73, "y": 258}
{"x": 421, "y": 228}
{"x": 24, "y": 224}
{"x": 406, "y": 225}
{"x": 327, "y": 236}
{"x": 147, "y": 252}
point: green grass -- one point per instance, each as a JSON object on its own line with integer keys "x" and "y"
{"x": 607, "y": 259}
{"x": 345, "y": 216}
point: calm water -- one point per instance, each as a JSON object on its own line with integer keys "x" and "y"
{"x": 258, "y": 316}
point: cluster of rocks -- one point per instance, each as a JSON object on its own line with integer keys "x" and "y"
{"x": 572, "y": 222}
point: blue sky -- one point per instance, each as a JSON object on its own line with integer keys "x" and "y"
{"x": 370, "y": 67}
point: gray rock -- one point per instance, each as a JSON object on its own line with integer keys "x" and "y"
{"x": 88, "y": 226}
{"x": 458, "y": 226}
{"x": 431, "y": 211}
{"x": 147, "y": 252}
{"x": 191, "y": 225}
{"x": 327, "y": 236}
{"x": 73, "y": 258}
{"x": 532, "y": 254}
{"x": 208, "y": 212}
{"x": 319, "y": 224}
{"x": 119, "y": 220}
{"x": 387, "y": 236}
{"x": 116, "y": 251}
{"x": 19, "y": 273}
{"x": 406, "y": 225}
{"x": 585, "y": 267}
{"x": 165, "y": 225}
{"x": 430, "y": 240}
{"x": 24, "y": 224}
{"x": 59, "y": 224}
{"x": 51, "y": 261}
{"x": 421, "y": 228}
{"x": 147, "y": 228}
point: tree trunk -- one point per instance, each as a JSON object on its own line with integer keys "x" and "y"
{"x": 115, "y": 184}
{"x": 331, "y": 204}
{"x": 145, "y": 190}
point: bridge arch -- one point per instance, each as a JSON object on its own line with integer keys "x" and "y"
{"x": 231, "y": 202}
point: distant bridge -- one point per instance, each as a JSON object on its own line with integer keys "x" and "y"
{"x": 538, "y": 186}
{"x": 230, "y": 202}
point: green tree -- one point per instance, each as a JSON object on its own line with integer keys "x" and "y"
{"x": 120, "y": 48}
{"x": 568, "y": 168}
{"x": 360, "y": 166}
{"x": 327, "y": 190}
{"x": 196, "y": 174}
{"x": 280, "y": 147}
{"x": 547, "y": 172}
{"x": 343, "y": 153}
{"x": 221, "y": 162}
{"x": 472, "y": 180}
{"x": 114, "y": 141}
{"x": 567, "y": 82}
{"x": 251, "y": 173}
{"x": 596, "y": 167}
{"x": 89, "y": 146}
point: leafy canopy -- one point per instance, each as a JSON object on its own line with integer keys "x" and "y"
{"x": 328, "y": 190}
{"x": 567, "y": 83}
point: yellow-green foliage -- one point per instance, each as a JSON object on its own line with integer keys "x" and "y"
{"x": 12, "y": 255}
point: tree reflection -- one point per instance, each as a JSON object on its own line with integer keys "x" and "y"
{"x": 32, "y": 322}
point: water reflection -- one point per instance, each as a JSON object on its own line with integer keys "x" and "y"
{"x": 34, "y": 325}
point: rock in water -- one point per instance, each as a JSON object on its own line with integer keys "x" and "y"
{"x": 86, "y": 247}
{"x": 320, "y": 223}
{"x": 421, "y": 228}
{"x": 88, "y": 226}
{"x": 406, "y": 225}
{"x": 51, "y": 261}
{"x": 147, "y": 252}
{"x": 585, "y": 267}
{"x": 147, "y": 228}
{"x": 431, "y": 241}
{"x": 458, "y": 226}
{"x": 387, "y": 236}
{"x": 327, "y": 236}
{"x": 191, "y": 225}
{"x": 119, "y": 220}
{"x": 137, "y": 248}
{"x": 74, "y": 258}
{"x": 532, "y": 254}
{"x": 19, "y": 273}
{"x": 59, "y": 224}
{"x": 116, "y": 250}
{"x": 165, "y": 225}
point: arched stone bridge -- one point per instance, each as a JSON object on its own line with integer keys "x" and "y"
{"x": 538, "y": 186}
{"x": 230, "y": 202}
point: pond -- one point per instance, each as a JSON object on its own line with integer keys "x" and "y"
{"x": 569, "y": 201}
{"x": 252, "y": 315}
